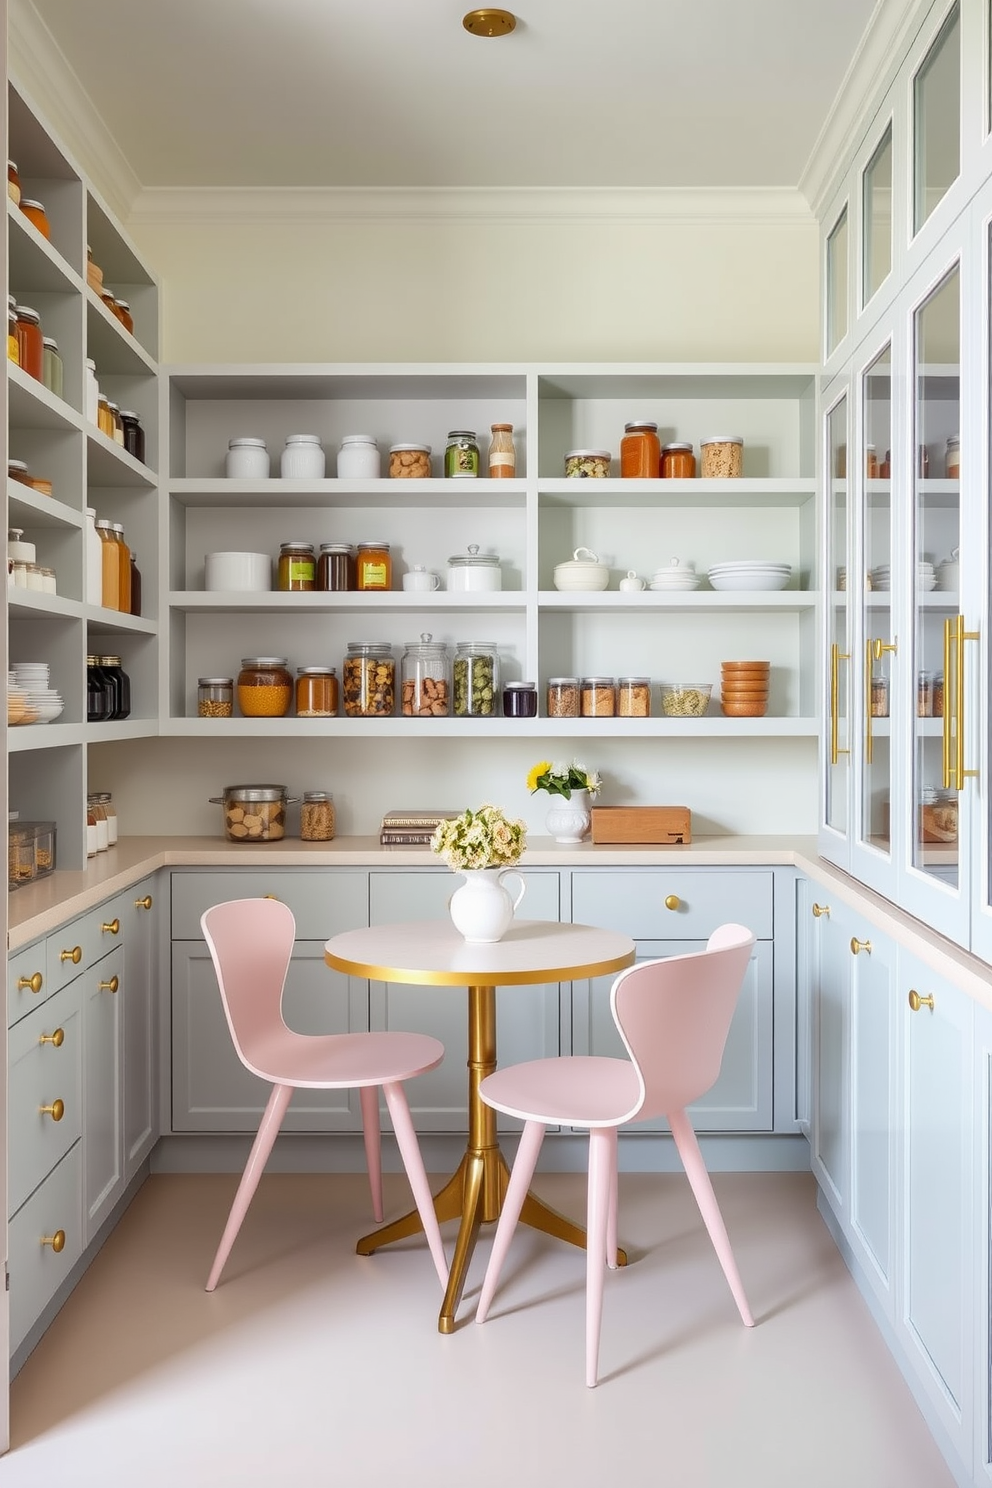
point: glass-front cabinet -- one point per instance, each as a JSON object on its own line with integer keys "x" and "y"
{"x": 835, "y": 803}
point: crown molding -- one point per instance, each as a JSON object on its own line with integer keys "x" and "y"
{"x": 648, "y": 206}
{"x": 39, "y": 70}
{"x": 892, "y": 26}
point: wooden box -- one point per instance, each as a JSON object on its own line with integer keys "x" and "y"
{"x": 661, "y": 824}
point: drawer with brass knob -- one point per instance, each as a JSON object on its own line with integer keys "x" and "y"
{"x": 44, "y": 1084}
{"x": 673, "y": 903}
{"x": 45, "y": 1241}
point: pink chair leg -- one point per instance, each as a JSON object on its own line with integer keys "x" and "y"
{"x": 611, "y": 1221}
{"x": 602, "y": 1168}
{"x": 406, "y": 1140}
{"x": 369, "y": 1096}
{"x": 699, "y": 1179}
{"x": 267, "y": 1132}
{"x": 516, "y": 1191}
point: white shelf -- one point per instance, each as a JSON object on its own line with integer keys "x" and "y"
{"x": 646, "y": 600}
{"x": 746, "y": 492}
{"x": 462, "y": 494}
{"x": 464, "y": 728}
{"x": 36, "y": 510}
{"x": 32, "y": 601}
{"x": 112, "y": 622}
{"x": 194, "y": 601}
{"x": 109, "y": 464}
{"x": 31, "y": 406}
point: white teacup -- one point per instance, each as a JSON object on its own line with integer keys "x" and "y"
{"x": 421, "y": 579}
{"x": 631, "y": 584}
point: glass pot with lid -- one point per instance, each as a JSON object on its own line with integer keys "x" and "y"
{"x": 474, "y": 572}
{"x": 254, "y": 813}
{"x": 425, "y": 686}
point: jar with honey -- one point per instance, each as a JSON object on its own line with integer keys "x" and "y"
{"x": 297, "y": 568}
{"x": 13, "y": 183}
{"x": 35, "y": 212}
{"x": 265, "y": 687}
{"x": 30, "y": 345}
{"x": 640, "y": 451}
{"x": 13, "y": 355}
{"x": 374, "y": 566}
{"x": 678, "y": 462}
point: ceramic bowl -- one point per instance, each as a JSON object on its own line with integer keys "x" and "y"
{"x": 581, "y": 574}
{"x": 685, "y": 699}
{"x": 748, "y": 580}
{"x": 752, "y": 708}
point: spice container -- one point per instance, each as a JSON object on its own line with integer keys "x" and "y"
{"x": 254, "y": 813}
{"x": 215, "y": 697}
{"x": 90, "y": 832}
{"x": 297, "y": 568}
{"x": 20, "y": 852}
{"x": 476, "y": 679}
{"x": 30, "y": 348}
{"x": 13, "y": 183}
{"x": 409, "y": 461}
{"x": 51, "y": 365}
{"x": 879, "y": 697}
{"x": 722, "y": 457}
{"x": 924, "y": 695}
{"x": 938, "y": 695}
{"x": 472, "y": 572}
{"x": 118, "y": 431}
{"x": 104, "y": 417}
{"x": 425, "y": 691}
{"x": 265, "y": 687}
{"x": 502, "y": 456}
{"x": 336, "y": 567}
{"x": 302, "y": 458}
{"x": 563, "y": 697}
{"x": 598, "y": 697}
{"x": 640, "y": 451}
{"x": 316, "y": 692}
{"x": 688, "y": 699}
{"x": 369, "y": 680}
{"x": 13, "y": 354}
{"x": 134, "y": 434}
{"x": 871, "y": 462}
{"x": 35, "y": 212}
{"x": 678, "y": 462}
{"x": 634, "y": 697}
{"x": 110, "y": 811}
{"x": 358, "y": 458}
{"x": 520, "y": 700}
{"x": 317, "y": 816}
{"x": 461, "y": 457}
{"x": 118, "y": 685}
{"x": 584, "y": 464}
{"x": 94, "y": 809}
{"x": 247, "y": 459}
{"x": 374, "y": 566}
{"x": 952, "y": 458}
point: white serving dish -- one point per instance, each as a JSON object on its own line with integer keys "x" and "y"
{"x": 237, "y": 573}
{"x": 749, "y": 581}
{"x": 581, "y": 575}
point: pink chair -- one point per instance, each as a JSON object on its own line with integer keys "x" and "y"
{"x": 673, "y": 1015}
{"x": 250, "y": 943}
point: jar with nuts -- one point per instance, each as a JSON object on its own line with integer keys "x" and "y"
{"x": 425, "y": 690}
{"x": 476, "y": 679}
{"x": 369, "y": 680}
{"x": 215, "y": 697}
{"x": 317, "y": 816}
{"x": 409, "y": 461}
{"x": 563, "y": 697}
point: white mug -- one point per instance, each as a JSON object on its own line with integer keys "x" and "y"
{"x": 631, "y": 583}
{"x": 421, "y": 579}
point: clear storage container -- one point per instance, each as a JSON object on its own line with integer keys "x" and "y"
{"x": 425, "y": 689}
{"x": 563, "y": 697}
{"x": 475, "y": 679}
{"x": 369, "y": 680}
{"x": 265, "y": 687}
{"x": 599, "y": 697}
{"x": 215, "y": 697}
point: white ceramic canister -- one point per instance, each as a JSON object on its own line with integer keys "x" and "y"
{"x": 474, "y": 572}
{"x": 303, "y": 458}
{"x": 247, "y": 459}
{"x": 233, "y": 572}
{"x": 358, "y": 458}
{"x": 93, "y": 592}
{"x": 92, "y": 391}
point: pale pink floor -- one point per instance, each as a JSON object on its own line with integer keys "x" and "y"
{"x": 312, "y": 1365}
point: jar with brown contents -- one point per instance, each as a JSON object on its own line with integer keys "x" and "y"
{"x": 369, "y": 680}
{"x": 599, "y": 697}
{"x": 265, "y": 687}
{"x": 425, "y": 688}
{"x": 316, "y": 692}
{"x": 563, "y": 697}
{"x": 634, "y": 697}
{"x": 317, "y": 816}
{"x": 215, "y": 697}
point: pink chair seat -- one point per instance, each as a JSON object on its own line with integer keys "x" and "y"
{"x": 325, "y": 1061}
{"x": 581, "y": 1090}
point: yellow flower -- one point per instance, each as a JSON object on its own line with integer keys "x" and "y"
{"x": 535, "y": 774}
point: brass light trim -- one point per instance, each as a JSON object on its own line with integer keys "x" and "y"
{"x": 489, "y": 22}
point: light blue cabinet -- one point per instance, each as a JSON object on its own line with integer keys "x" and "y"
{"x": 141, "y": 911}
{"x": 873, "y": 1055}
{"x": 982, "y": 1270}
{"x": 102, "y": 1000}
{"x": 829, "y": 932}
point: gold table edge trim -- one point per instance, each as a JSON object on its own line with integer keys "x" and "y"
{"x": 426, "y": 978}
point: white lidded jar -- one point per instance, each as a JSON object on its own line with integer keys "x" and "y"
{"x": 247, "y": 459}
{"x": 358, "y": 458}
{"x": 303, "y": 458}
{"x": 92, "y": 391}
{"x": 93, "y": 591}
{"x": 474, "y": 572}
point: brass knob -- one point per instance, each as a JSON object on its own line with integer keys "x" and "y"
{"x": 56, "y": 1110}
{"x": 75, "y": 955}
{"x": 821, "y": 909}
{"x": 673, "y": 901}
{"x": 916, "y": 1001}
{"x": 269, "y": 896}
{"x": 56, "y": 1039}
{"x": 35, "y": 982}
{"x": 112, "y": 927}
{"x": 110, "y": 986}
{"x": 145, "y": 903}
{"x": 56, "y": 1241}
{"x": 859, "y": 945}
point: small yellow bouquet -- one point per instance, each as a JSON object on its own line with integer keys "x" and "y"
{"x": 562, "y": 779}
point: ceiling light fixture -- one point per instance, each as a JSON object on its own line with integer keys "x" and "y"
{"x": 489, "y": 22}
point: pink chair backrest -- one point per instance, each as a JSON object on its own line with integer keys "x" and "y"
{"x": 674, "y": 1016}
{"x": 250, "y": 942}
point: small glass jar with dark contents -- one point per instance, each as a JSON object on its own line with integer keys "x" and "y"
{"x": 520, "y": 700}
{"x": 336, "y": 567}
{"x": 134, "y": 434}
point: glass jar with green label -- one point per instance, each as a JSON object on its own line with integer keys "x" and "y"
{"x": 461, "y": 457}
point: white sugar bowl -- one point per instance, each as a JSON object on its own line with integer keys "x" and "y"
{"x": 582, "y": 574}
{"x": 631, "y": 584}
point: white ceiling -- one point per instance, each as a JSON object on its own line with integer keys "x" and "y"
{"x": 394, "y": 93}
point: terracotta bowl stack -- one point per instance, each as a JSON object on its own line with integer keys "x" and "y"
{"x": 744, "y": 688}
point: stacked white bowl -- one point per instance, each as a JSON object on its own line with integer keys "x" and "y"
{"x": 881, "y": 576}
{"x": 926, "y": 576}
{"x": 32, "y": 678}
{"x": 750, "y": 574}
{"x": 675, "y": 576}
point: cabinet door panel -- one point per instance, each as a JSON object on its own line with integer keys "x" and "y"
{"x": 37, "y": 1270}
{"x": 872, "y": 1123}
{"x": 634, "y": 901}
{"x": 983, "y": 1240}
{"x": 141, "y": 922}
{"x": 39, "y": 1074}
{"x": 831, "y": 1018}
{"x": 103, "y": 1147}
{"x": 324, "y": 901}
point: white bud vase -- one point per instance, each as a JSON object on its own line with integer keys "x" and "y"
{"x": 481, "y": 909}
{"x": 568, "y": 821}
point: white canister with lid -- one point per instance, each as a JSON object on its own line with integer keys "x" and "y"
{"x": 247, "y": 459}
{"x": 358, "y": 458}
{"x": 20, "y": 557}
{"x": 303, "y": 458}
{"x": 474, "y": 572}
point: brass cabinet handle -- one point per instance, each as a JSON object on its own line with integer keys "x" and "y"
{"x": 821, "y": 909}
{"x": 955, "y": 635}
{"x": 56, "y": 1110}
{"x": 56, "y": 1241}
{"x": 673, "y": 901}
{"x": 110, "y": 986}
{"x": 879, "y": 648}
{"x": 270, "y": 896}
{"x": 35, "y": 982}
{"x": 75, "y": 955}
{"x": 859, "y": 945}
{"x": 836, "y": 657}
{"x": 56, "y": 1039}
{"x": 145, "y": 903}
{"x": 112, "y": 927}
{"x": 916, "y": 1001}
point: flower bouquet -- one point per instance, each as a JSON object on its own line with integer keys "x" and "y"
{"x": 561, "y": 780}
{"x": 474, "y": 844}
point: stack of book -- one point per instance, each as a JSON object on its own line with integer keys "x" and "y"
{"x": 411, "y": 828}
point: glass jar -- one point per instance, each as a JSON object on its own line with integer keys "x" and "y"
{"x": 374, "y": 566}
{"x": 104, "y": 416}
{"x": 297, "y": 568}
{"x": 678, "y": 462}
{"x": 215, "y": 697}
{"x": 871, "y": 462}
{"x": 94, "y": 810}
{"x": 598, "y": 697}
{"x": 30, "y": 350}
{"x": 634, "y": 697}
{"x": 923, "y": 462}
{"x": 336, "y": 567}
{"x": 110, "y": 559}
{"x": 583, "y": 464}
{"x": 123, "y": 312}
{"x": 409, "y": 461}
{"x": 316, "y": 692}
{"x": 475, "y": 679}
{"x": 134, "y": 434}
{"x": 13, "y": 183}
{"x": 97, "y": 694}
{"x": 640, "y": 451}
{"x": 938, "y": 695}
{"x": 722, "y": 457}
{"x": 885, "y": 466}
{"x": 110, "y": 302}
{"x": 51, "y": 365}
{"x": 118, "y": 683}
{"x": 35, "y": 578}
{"x": 317, "y": 816}
{"x": 563, "y": 697}
{"x": 520, "y": 700}
{"x": 247, "y": 459}
{"x": 17, "y": 470}
{"x": 879, "y": 697}
{"x": 13, "y": 355}
{"x": 425, "y": 690}
{"x": 461, "y": 456}
{"x": 265, "y": 687}
{"x": 369, "y": 680}
{"x": 924, "y": 695}
{"x": 952, "y": 458}
{"x": 35, "y": 212}
{"x": 502, "y": 455}
{"x": 90, "y": 831}
{"x": 135, "y": 607}
{"x": 124, "y": 575}
{"x": 118, "y": 432}
{"x": 474, "y": 572}
{"x": 302, "y": 458}
{"x": 110, "y": 812}
{"x": 358, "y": 458}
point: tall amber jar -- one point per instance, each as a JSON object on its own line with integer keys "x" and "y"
{"x": 374, "y": 566}
{"x": 297, "y": 568}
{"x": 316, "y": 692}
{"x": 30, "y": 345}
{"x": 640, "y": 451}
{"x": 265, "y": 687}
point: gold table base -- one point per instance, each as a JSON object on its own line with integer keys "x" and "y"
{"x": 475, "y": 1192}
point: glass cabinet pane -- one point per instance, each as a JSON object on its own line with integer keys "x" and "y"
{"x": 838, "y": 657}
{"x": 937, "y": 120}
{"x": 877, "y": 216}
{"x": 837, "y": 283}
{"x": 876, "y": 628}
{"x": 937, "y": 534}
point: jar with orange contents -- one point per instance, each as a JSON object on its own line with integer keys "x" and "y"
{"x": 265, "y": 687}
{"x": 35, "y": 212}
{"x": 678, "y": 462}
{"x": 640, "y": 451}
{"x": 374, "y": 566}
{"x": 30, "y": 345}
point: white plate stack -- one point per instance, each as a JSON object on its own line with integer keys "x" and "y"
{"x": 674, "y": 578}
{"x": 43, "y": 701}
{"x": 750, "y": 574}
{"x": 881, "y": 577}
